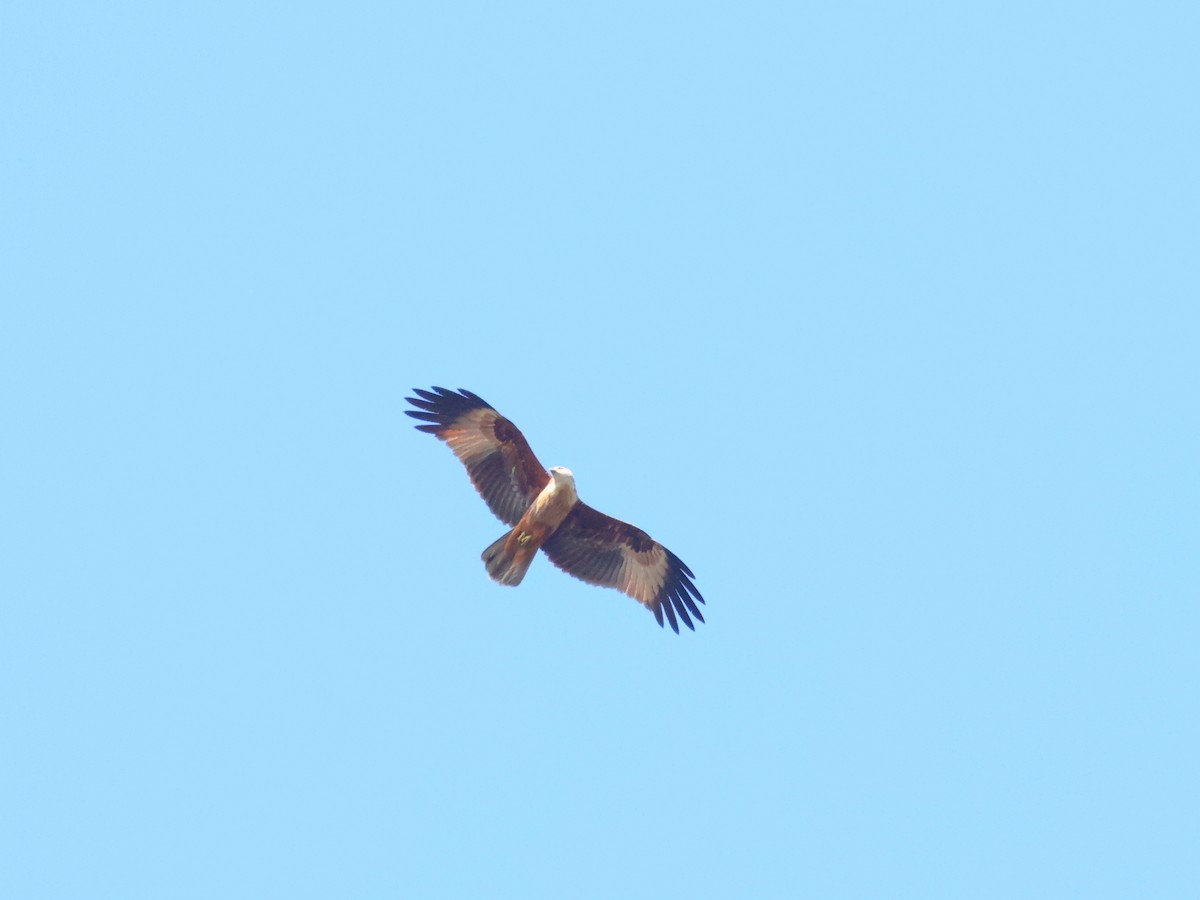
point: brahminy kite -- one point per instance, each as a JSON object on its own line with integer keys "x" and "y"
{"x": 545, "y": 512}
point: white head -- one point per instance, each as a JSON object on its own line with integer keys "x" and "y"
{"x": 562, "y": 475}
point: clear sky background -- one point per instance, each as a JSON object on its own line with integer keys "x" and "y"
{"x": 882, "y": 316}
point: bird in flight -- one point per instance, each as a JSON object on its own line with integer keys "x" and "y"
{"x": 544, "y": 512}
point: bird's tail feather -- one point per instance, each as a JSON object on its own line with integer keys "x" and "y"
{"x": 508, "y": 559}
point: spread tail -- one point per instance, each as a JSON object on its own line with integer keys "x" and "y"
{"x": 508, "y": 559}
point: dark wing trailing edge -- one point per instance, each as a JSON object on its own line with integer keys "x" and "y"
{"x": 602, "y": 550}
{"x": 502, "y": 467}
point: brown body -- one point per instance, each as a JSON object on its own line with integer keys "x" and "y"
{"x": 508, "y": 558}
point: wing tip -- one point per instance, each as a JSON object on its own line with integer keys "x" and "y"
{"x": 669, "y": 609}
{"x": 679, "y": 594}
{"x": 442, "y": 405}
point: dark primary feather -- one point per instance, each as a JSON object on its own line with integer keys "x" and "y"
{"x": 442, "y": 407}
{"x": 499, "y": 460}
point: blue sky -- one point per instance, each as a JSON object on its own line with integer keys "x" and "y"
{"x": 883, "y": 318}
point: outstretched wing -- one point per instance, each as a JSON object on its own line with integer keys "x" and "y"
{"x": 502, "y": 467}
{"x": 606, "y": 551}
